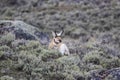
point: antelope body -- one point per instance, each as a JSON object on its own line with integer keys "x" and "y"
{"x": 57, "y": 42}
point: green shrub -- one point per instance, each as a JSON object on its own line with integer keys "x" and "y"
{"x": 49, "y": 54}
{"x": 113, "y": 62}
{"x": 92, "y": 57}
{"x": 29, "y": 45}
{"x": 7, "y": 39}
{"x": 1, "y": 53}
{"x": 111, "y": 77}
{"x": 93, "y": 67}
{"x": 5, "y": 48}
{"x": 69, "y": 60}
{"x": 33, "y": 44}
{"x": 6, "y": 78}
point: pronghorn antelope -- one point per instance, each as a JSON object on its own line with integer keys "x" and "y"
{"x": 57, "y": 42}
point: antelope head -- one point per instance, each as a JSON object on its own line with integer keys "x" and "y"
{"x": 57, "y": 36}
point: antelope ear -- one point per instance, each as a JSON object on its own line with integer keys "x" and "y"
{"x": 53, "y": 33}
{"x": 59, "y": 34}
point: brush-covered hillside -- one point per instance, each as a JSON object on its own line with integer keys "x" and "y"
{"x": 91, "y": 32}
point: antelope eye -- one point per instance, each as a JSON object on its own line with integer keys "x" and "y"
{"x": 60, "y": 40}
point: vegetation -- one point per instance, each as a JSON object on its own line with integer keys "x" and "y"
{"x": 91, "y": 33}
{"x": 34, "y": 61}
